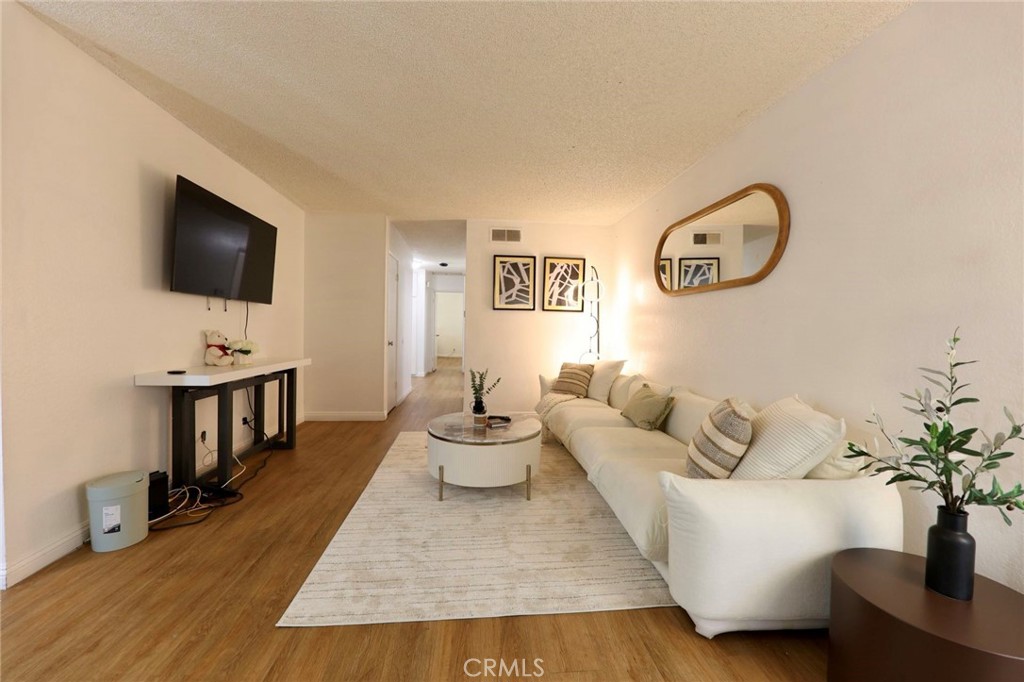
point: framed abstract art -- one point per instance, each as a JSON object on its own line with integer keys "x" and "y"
{"x": 563, "y": 280}
{"x": 515, "y": 282}
{"x": 695, "y": 272}
{"x": 665, "y": 270}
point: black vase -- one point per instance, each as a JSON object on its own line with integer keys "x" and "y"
{"x": 949, "y": 569}
{"x": 479, "y": 407}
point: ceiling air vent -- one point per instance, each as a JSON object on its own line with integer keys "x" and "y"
{"x": 506, "y": 235}
{"x": 707, "y": 238}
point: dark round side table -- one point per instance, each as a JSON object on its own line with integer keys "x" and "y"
{"x": 885, "y": 625}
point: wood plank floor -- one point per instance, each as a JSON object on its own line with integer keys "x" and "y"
{"x": 200, "y": 603}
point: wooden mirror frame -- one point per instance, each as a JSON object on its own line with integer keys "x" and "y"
{"x": 780, "y": 242}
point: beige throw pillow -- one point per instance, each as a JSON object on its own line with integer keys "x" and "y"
{"x": 720, "y": 441}
{"x": 647, "y": 409}
{"x": 573, "y": 379}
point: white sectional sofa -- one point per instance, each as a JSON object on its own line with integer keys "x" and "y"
{"x": 736, "y": 554}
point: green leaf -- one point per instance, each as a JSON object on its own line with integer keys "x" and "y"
{"x": 934, "y": 371}
{"x": 963, "y": 401}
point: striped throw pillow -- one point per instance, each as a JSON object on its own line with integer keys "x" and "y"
{"x": 721, "y": 440}
{"x": 574, "y": 379}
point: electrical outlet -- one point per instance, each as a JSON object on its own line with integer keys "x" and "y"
{"x": 202, "y": 436}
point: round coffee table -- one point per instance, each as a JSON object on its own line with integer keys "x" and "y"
{"x": 887, "y": 626}
{"x": 472, "y": 457}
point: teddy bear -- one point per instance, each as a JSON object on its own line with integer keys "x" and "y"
{"x": 217, "y": 352}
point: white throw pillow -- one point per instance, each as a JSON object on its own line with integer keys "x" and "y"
{"x": 545, "y": 384}
{"x": 618, "y": 396}
{"x": 790, "y": 438}
{"x": 605, "y": 372}
{"x": 836, "y": 467}
{"x": 639, "y": 380}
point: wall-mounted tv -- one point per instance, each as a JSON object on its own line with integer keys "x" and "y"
{"x": 219, "y": 249}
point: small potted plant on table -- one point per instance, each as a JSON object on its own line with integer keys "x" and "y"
{"x": 478, "y": 384}
{"x": 943, "y": 460}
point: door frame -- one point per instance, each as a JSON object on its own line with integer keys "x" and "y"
{"x": 392, "y": 345}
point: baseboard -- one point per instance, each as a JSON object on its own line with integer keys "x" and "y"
{"x": 346, "y": 416}
{"x": 37, "y": 561}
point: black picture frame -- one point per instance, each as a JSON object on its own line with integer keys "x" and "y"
{"x": 515, "y": 283}
{"x": 665, "y": 271}
{"x": 695, "y": 272}
{"x": 563, "y": 284}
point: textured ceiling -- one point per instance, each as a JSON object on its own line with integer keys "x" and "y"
{"x": 436, "y": 241}
{"x": 557, "y": 112}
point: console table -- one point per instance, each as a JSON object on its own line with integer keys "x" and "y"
{"x": 197, "y": 383}
{"x": 887, "y": 626}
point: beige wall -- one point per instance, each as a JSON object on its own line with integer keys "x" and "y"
{"x": 346, "y": 259}
{"x": 517, "y": 345}
{"x": 902, "y": 164}
{"x": 88, "y": 181}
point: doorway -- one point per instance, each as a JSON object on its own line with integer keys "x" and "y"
{"x": 449, "y": 323}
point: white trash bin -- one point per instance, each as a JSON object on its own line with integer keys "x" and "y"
{"x": 118, "y": 510}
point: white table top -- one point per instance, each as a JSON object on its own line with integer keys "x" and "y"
{"x": 206, "y": 375}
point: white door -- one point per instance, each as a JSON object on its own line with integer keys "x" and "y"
{"x": 430, "y": 329}
{"x": 392, "y": 333}
{"x": 449, "y": 315}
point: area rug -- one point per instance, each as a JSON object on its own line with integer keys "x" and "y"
{"x": 401, "y": 555}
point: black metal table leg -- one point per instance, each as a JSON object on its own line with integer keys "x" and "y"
{"x": 289, "y": 436}
{"x": 225, "y": 440}
{"x": 259, "y": 412}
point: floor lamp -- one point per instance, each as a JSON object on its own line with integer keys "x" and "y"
{"x": 591, "y": 291}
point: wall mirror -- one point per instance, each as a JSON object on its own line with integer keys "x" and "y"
{"x": 734, "y": 242}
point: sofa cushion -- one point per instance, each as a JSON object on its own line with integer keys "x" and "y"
{"x": 721, "y": 440}
{"x": 647, "y": 409}
{"x": 573, "y": 379}
{"x": 631, "y": 489}
{"x": 563, "y": 420}
{"x": 605, "y": 373}
{"x": 687, "y": 414}
{"x": 789, "y": 439}
{"x": 618, "y": 396}
{"x": 594, "y": 445}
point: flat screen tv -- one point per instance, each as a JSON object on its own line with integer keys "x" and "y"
{"x": 219, "y": 249}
